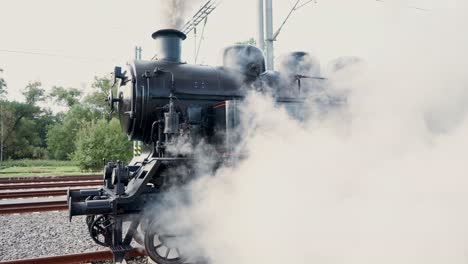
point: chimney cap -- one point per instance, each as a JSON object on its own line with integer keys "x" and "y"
{"x": 166, "y": 32}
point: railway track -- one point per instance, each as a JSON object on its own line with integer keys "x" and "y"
{"x": 32, "y": 193}
{"x": 27, "y": 195}
{"x": 36, "y": 179}
{"x": 49, "y": 185}
{"x": 20, "y": 206}
{"x": 75, "y": 258}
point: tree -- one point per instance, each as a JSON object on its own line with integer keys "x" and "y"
{"x": 97, "y": 99}
{"x": 20, "y": 130}
{"x": 59, "y": 145}
{"x": 99, "y": 140}
{"x": 33, "y": 93}
{"x": 25, "y": 125}
{"x": 3, "y": 86}
{"x": 26, "y": 142}
{"x": 44, "y": 121}
{"x": 28, "y": 131}
{"x": 65, "y": 96}
{"x": 3, "y": 91}
{"x": 250, "y": 41}
{"x": 61, "y": 136}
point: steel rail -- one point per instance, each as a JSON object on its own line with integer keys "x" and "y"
{"x": 32, "y": 194}
{"x": 36, "y": 179}
{"x": 31, "y": 207}
{"x": 49, "y": 185}
{"x": 75, "y": 258}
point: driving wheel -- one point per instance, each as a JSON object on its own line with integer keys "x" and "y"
{"x": 101, "y": 230}
{"x": 162, "y": 248}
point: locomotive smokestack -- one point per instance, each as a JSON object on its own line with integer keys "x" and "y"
{"x": 169, "y": 44}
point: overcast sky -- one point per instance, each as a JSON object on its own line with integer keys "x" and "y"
{"x": 88, "y": 38}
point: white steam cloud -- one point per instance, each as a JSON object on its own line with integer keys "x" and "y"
{"x": 384, "y": 180}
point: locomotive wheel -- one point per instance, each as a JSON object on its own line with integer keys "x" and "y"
{"x": 101, "y": 231}
{"x": 89, "y": 220}
{"x": 161, "y": 248}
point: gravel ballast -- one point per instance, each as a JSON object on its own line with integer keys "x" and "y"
{"x": 45, "y": 234}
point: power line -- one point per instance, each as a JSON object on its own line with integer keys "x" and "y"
{"x": 409, "y": 6}
{"x": 295, "y": 7}
{"x": 201, "y": 39}
{"x": 191, "y": 25}
{"x": 56, "y": 55}
{"x": 419, "y": 8}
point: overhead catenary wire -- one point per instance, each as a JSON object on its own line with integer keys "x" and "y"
{"x": 25, "y": 52}
{"x": 302, "y": 5}
{"x": 295, "y": 7}
{"x": 409, "y": 6}
{"x": 299, "y": 5}
{"x": 201, "y": 39}
{"x": 200, "y": 15}
{"x": 191, "y": 24}
{"x": 418, "y": 8}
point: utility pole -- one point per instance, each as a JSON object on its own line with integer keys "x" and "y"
{"x": 268, "y": 27}
{"x": 269, "y": 34}
{"x": 260, "y": 25}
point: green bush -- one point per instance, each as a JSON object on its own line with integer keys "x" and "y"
{"x": 61, "y": 137}
{"x": 98, "y": 140}
{"x": 60, "y": 142}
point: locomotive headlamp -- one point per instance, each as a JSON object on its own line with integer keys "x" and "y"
{"x": 112, "y": 100}
{"x": 118, "y": 74}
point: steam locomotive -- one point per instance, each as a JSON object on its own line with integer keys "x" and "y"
{"x": 158, "y": 102}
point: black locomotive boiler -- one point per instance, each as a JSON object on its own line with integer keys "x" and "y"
{"x": 158, "y": 102}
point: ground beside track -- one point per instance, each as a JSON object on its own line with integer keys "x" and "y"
{"x": 43, "y": 234}
{"x": 47, "y": 234}
{"x": 138, "y": 260}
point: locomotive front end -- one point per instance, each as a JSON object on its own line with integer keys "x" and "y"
{"x": 168, "y": 104}
{"x": 158, "y": 102}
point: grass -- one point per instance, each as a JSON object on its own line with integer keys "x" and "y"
{"x": 25, "y": 168}
{"x": 38, "y": 162}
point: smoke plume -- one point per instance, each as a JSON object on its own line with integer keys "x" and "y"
{"x": 382, "y": 179}
{"x": 174, "y": 13}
